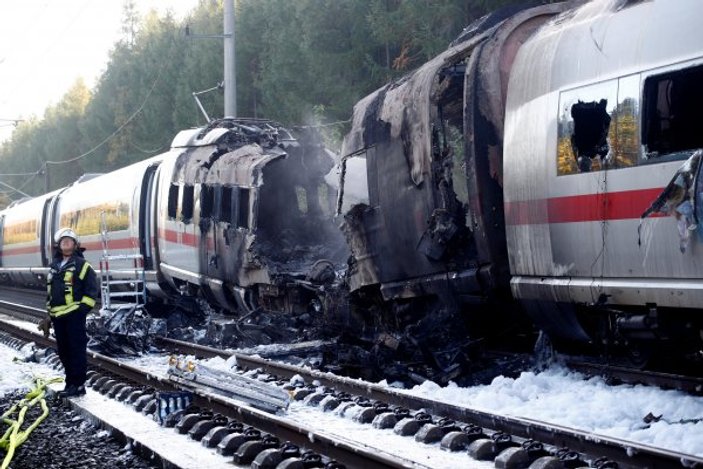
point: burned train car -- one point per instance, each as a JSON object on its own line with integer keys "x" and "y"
{"x": 245, "y": 216}
{"x": 422, "y": 181}
{"x": 602, "y": 191}
{"x": 529, "y": 167}
{"x": 238, "y": 213}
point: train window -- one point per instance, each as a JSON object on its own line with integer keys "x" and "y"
{"x": 207, "y": 200}
{"x": 625, "y": 142}
{"x": 172, "y": 200}
{"x": 301, "y": 196}
{"x": 584, "y": 128}
{"x": 187, "y": 204}
{"x": 353, "y": 183}
{"x": 671, "y": 113}
{"x": 243, "y": 208}
{"x": 226, "y": 205}
{"x": 20, "y": 232}
{"x": 324, "y": 199}
{"x": 454, "y": 139}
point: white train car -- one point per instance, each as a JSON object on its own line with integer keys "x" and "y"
{"x": 24, "y": 251}
{"x": 601, "y": 133}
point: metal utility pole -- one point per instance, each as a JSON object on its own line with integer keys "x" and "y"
{"x": 229, "y": 61}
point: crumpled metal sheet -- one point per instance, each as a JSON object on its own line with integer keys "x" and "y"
{"x": 126, "y": 331}
{"x": 682, "y": 200}
{"x": 407, "y": 108}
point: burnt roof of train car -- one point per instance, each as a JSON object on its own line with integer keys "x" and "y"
{"x": 249, "y": 141}
{"x": 234, "y": 133}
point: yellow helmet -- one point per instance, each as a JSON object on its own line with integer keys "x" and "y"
{"x": 65, "y": 233}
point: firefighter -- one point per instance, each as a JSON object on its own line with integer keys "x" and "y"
{"x": 72, "y": 289}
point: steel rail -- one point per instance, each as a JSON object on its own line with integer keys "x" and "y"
{"x": 689, "y": 384}
{"x": 350, "y": 453}
{"x": 625, "y": 453}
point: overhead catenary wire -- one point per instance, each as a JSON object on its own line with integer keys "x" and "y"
{"x": 15, "y": 189}
{"x": 119, "y": 129}
{"x": 45, "y": 166}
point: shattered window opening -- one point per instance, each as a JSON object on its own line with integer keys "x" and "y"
{"x": 172, "y": 200}
{"x": 353, "y": 184}
{"x": 589, "y": 138}
{"x": 587, "y": 129}
{"x": 302, "y": 198}
{"x": 671, "y": 113}
{"x": 455, "y": 141}
{"x": 323, "y": 195}
{"x": 187, "y": 203}
{"x": 207, "y": 196}
{"x": 243, "y": 208}
{"x": 225, "y": 214}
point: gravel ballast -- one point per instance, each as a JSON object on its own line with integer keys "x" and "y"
{"x": 66, "y": 440}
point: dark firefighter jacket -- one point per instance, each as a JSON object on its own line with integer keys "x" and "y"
{"x": 71, "y": 285}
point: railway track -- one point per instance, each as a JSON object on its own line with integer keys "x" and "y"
{"x": 28, "y": 305}
{"x": 509, "y": 442}
{"x": 141, "y": 388}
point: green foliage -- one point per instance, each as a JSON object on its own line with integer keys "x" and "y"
{"x": 299, "y": 62}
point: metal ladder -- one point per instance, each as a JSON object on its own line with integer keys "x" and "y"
{"x": 120, "y": 271}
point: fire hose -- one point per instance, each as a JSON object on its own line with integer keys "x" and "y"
{"x": 15, "y": 436}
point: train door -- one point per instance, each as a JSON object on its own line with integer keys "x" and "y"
{"x": 2, "y": 224}
{"x": 231, "y": 228}
{"x": 147, "y": 216}
{"x": 50, "y": 224}
{"x": 209, "y": 208}
{"x": 45, "y": 236}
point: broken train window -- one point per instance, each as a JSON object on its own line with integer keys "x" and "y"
{"x": 671, "y": 113}
{"x": 242, "y": 207}
{"x": 187, "y": 203}
{"x": 353, "y": 182}
{"x": 225, "y": 206}
{"x": 597, "y": 126}
{"x": 172, "y": 200}
{"x": 207, "y": 194}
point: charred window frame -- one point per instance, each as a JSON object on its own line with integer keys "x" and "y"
{"x": 187, "y": 203}
{"x": 353, "y": 181}
{"x": 225, "y": 214}
{"x": 301, "y": 196}
{"x": 207, "y": 200}
{"x": 172, "y": 208}
{"x": 243, "y": 207}
{"x": 448, "y": 135}
{"x": 671, "y": 114}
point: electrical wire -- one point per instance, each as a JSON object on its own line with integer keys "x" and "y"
{"x": 119, "y": 129}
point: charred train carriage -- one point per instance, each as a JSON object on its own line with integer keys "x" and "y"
{"x": 202, "y": 216}
{"x": 536, "y": 161}
{"x": 546, "y": 163}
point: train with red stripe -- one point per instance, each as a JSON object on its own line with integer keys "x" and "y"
{"x": 547, "y": 162}
{"x": 237, "y": 212}
{"x": 544, "y": 167}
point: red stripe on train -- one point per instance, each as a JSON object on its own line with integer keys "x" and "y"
{"x": 622, "y": 205}
{"x": 113, "y": 244}
{"x": 121, "y": 243}
{"x": 8, "y": 251}
{"x": 178, "y": 237}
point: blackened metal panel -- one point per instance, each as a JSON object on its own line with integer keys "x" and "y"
{"x": 485, "y": 89}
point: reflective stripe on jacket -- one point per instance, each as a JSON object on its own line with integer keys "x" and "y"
{"x": 70, "y": 286}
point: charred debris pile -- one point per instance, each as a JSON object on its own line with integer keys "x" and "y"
{"x": 285, "y": 265}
